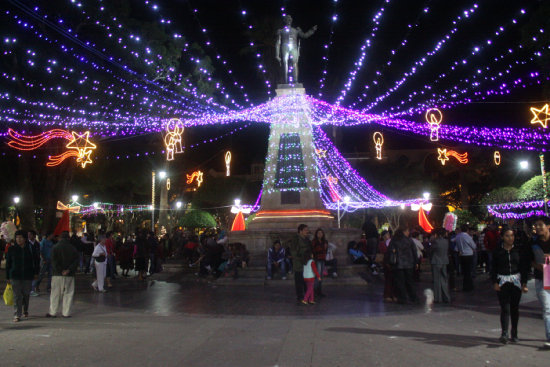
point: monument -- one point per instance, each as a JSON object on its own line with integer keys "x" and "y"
{"x": 291, "y": 192}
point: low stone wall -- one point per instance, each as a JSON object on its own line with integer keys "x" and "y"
{"x": 258, "y": 241}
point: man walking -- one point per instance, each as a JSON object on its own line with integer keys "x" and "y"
{"x": 20, "y": 271}
{"x": 46, "y": 246}
{"x": 466, "y": 246}
{"x": 299, "y": 246}
{"x": 65, "y": 260}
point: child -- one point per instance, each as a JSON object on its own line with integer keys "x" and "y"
{"x": 310, "y": 272}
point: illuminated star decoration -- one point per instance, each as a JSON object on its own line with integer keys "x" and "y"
{"x": 79, "y": 145}
{"x": 378, "y": 141}
{"x": 172, "y": 139}
{"x": 444, "y": 155}
{"x": 83, "y": 146}
{"x": 434, "y": 118}
{"x": 227, "y": 163}
{"x": 497, "y": 157}
{"x": 195, "y": 175}
{"x": 321, "y": 153}
{"x": 537, "y": 116}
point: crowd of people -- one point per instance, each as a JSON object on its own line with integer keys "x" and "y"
{"x": 510, "y": 257}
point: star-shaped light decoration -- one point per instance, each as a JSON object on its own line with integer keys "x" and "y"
{"x": 82, "y": 144}
{"x": 321, "y": 153}
{"x": 442, "y": 156}
{"x": 540, "y": 116}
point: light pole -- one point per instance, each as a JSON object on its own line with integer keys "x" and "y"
{"x": 16, "y": 200}
{"x": 153, "y": 201}
{"x": 346, "y": 201}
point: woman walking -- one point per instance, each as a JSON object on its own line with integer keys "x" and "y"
{"x": 509, "y": 273}
{"x": 100, "y": 260}
{"x": 320, "y": 247}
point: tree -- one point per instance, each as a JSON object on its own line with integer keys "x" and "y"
{"x": 532, "y": 189}
{"x": 198, "y": 219}
{"x": 501, "y": 195}
{"x": 466, "y": 217}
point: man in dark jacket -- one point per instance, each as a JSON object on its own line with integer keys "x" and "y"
{"x": 65, "y": 261}
{"x": 403, "y": 271}
{"x": 20, "y": 271}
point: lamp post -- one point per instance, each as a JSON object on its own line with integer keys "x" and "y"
{"x": 16, "y": 200}
{"x": 346, "y": 201}
{"x": 153, "y": 174}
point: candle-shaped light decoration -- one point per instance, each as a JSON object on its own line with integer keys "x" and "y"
{"x": 378, "y": 141}
{"x": 227, "y": 163}
{"x": 434, "y": 118}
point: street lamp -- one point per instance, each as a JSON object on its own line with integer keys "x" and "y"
{"x": 524, "y": 165}
{"x": 426, "y": 195}
{"x": 162, "y": 175}
{"x": 346, "y": 201}
{"x": 74, "y": 198}
{"x": 16, "y": 200}
{"x": 178, "y": 204}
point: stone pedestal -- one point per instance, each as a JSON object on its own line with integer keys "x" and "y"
{"x": 291, "y": 192}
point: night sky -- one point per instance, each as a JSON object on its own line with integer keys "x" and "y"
{"x": 222, "y": 27}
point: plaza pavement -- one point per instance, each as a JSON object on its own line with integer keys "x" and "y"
{"x": 168, "y": 321}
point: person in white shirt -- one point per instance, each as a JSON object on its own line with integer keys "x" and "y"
{"x": 100, "y": 260}
{"x": 466, "y": 246}
{"x": 419, "y": 249}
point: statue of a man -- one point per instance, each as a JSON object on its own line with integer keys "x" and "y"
{"x": 288, "y": 38}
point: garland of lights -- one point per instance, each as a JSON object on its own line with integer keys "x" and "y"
{"x": 517, "y": 210}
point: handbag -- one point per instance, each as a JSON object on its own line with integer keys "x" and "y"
{"x": 99, "y": 259}
{"x": 8, "y": 295}
{"x": 546, "y": 273}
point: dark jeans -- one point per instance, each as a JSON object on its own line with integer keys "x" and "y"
{"x": 299, "y": 284}
{"x": 45, "y": 268}
{"x": 281, "y": 265}
{"x": 388, "y": 282}
{"x": 332, "y": 266}
{"x": 111, "y": 266}
{"x": 21, "y": 293}
{"x": 509, "y": 297}
{"x": 466, "y": 265}
{"x": 318, "y": 285}
{"x": 403, "y": 282}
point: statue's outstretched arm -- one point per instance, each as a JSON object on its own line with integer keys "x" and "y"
{"x": 308, "y": 33}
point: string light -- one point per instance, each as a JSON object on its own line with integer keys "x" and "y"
{"x": 326, "y": 47}
{"x": 434, "y": 118}
{"x": 378, "y": 141}
{"x": 361, "y": 60}
{"x": 517, "y": 210}
{"x": 69, "y": 208}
